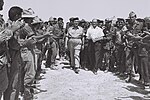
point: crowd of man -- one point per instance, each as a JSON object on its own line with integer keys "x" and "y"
{"x": 120, "y": 46}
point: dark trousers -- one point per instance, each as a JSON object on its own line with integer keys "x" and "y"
{"x": 84, "y": 57}
{"x": 3, "y": 79}
{"x": 98, "y": 55}
{"x": 61, "y": 46}
{"x": 48, "y": 60}
{"x": 12, "y": 92}
{"x": 120, "y": 58}
{"x": 91, "y": 55}
{"x": 95, "y": 52}
{"x": 51, "y": 55}
{"x": 144, "y": 72}
{"x": 132, "y": 60}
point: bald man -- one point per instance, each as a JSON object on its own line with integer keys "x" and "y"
{"x": 95, "y": 35}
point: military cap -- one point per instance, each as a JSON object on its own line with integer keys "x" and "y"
{"x": 51, "y": 19}
{"x": 55, "y": 19}
{"x": 82, "y": 21}
{"x": 76, "y": 18}
{"x": 100, "y": 21}
{"x": 36, "y": 20}
{"x": 71, "y": 19}
{"x": 120, "y": 19}
{"x": 29, "y": 13}
{"x": 147, "y": 19}
{"x": 127, "y": 20}
{"x": 107, "y": 20}
{"x": 132, "y": 14}
{"x": 60, "y": 18}
{"x": 140, "y": 20}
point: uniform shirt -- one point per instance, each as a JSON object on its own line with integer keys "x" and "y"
{"x": 26, "y": 32}
{"x": 110, "y": 33}
{"x": 119, "y": 34}
{"x": 95, "y": 34}
{"x": 75, "y": 35}
{"x": 58, "y": 32}
{"x": 136, "y": 28}
{"x": 134, "y": 31}
{"x": 50, "y": 29}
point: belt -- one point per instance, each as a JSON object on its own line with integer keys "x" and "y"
{"x": 74, "y": 37}
{"x": 99, "y": 41}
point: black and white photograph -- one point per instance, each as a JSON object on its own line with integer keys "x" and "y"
{"x": 74, "y": 49}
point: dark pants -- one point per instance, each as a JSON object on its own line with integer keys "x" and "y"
{"x": 12, "y": 92}
{"x": 61, "y": 46}
{"x": 40, "y": 58}
{"x": 120, "y": 58}
{"x": 144, "y": 72}
{"x": 132, "y": 60}
{"x": 84, "y": 57}
{"x": 3, "y": 79}
{"x": 95, "y": 52}
{"x": 91, "y": 55}
{"x": 98, "y": 55}
{"x": 52, "y": 53}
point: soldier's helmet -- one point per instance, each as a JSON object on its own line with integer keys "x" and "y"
{"x": 132, "y": 14}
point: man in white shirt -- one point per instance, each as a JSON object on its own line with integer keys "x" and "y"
{"x": 95, "y": 36}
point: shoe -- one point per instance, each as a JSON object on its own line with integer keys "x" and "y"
{"x": 117, "y": 73}
{"x": 106, "y": 71}
{"x": 53, "y": 67}
{"x": 43, "y": 71}
{"x": 86, "y": 69}
{"x": 95, "y": 72}
{"x": 47, "y": 66}
{"x": 146, "y": 84}
{"x": 76, "y": 70}
{"x": 128, "y": 80}
{"x": 121, "y": 74}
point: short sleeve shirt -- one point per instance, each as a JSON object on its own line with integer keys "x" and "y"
{"x": 26, "y": 32}
{"x": 75, "y": 33}
{"x": 94, "y": 33}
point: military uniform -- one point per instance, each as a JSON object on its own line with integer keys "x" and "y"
{"x": 59, "y": 37}
{"x": 110, "y": 34}
{"x": 52, "y": 48}
{"x": 133, "y": 35}
{"x": 120, "y": 49}
{"x": 74, "y": 45}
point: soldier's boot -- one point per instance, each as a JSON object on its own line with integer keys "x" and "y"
{"x": 129, "y": 78}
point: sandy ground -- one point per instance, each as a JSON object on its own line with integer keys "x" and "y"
{"x": 64, "y": 84}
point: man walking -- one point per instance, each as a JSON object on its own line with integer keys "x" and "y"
{"x": 74, "y": 42}
{"x": 95, "y": 35}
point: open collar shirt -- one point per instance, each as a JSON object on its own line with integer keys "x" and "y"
{"x": 95, "y": 34}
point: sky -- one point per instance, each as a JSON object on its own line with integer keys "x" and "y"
{"x": 84, "y": 9}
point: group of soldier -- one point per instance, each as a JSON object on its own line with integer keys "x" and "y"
{"x": 22, "y": 41}
{"x": 120, "y": 46}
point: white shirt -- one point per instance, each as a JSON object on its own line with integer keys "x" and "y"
{"x": 94, "y": 33}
